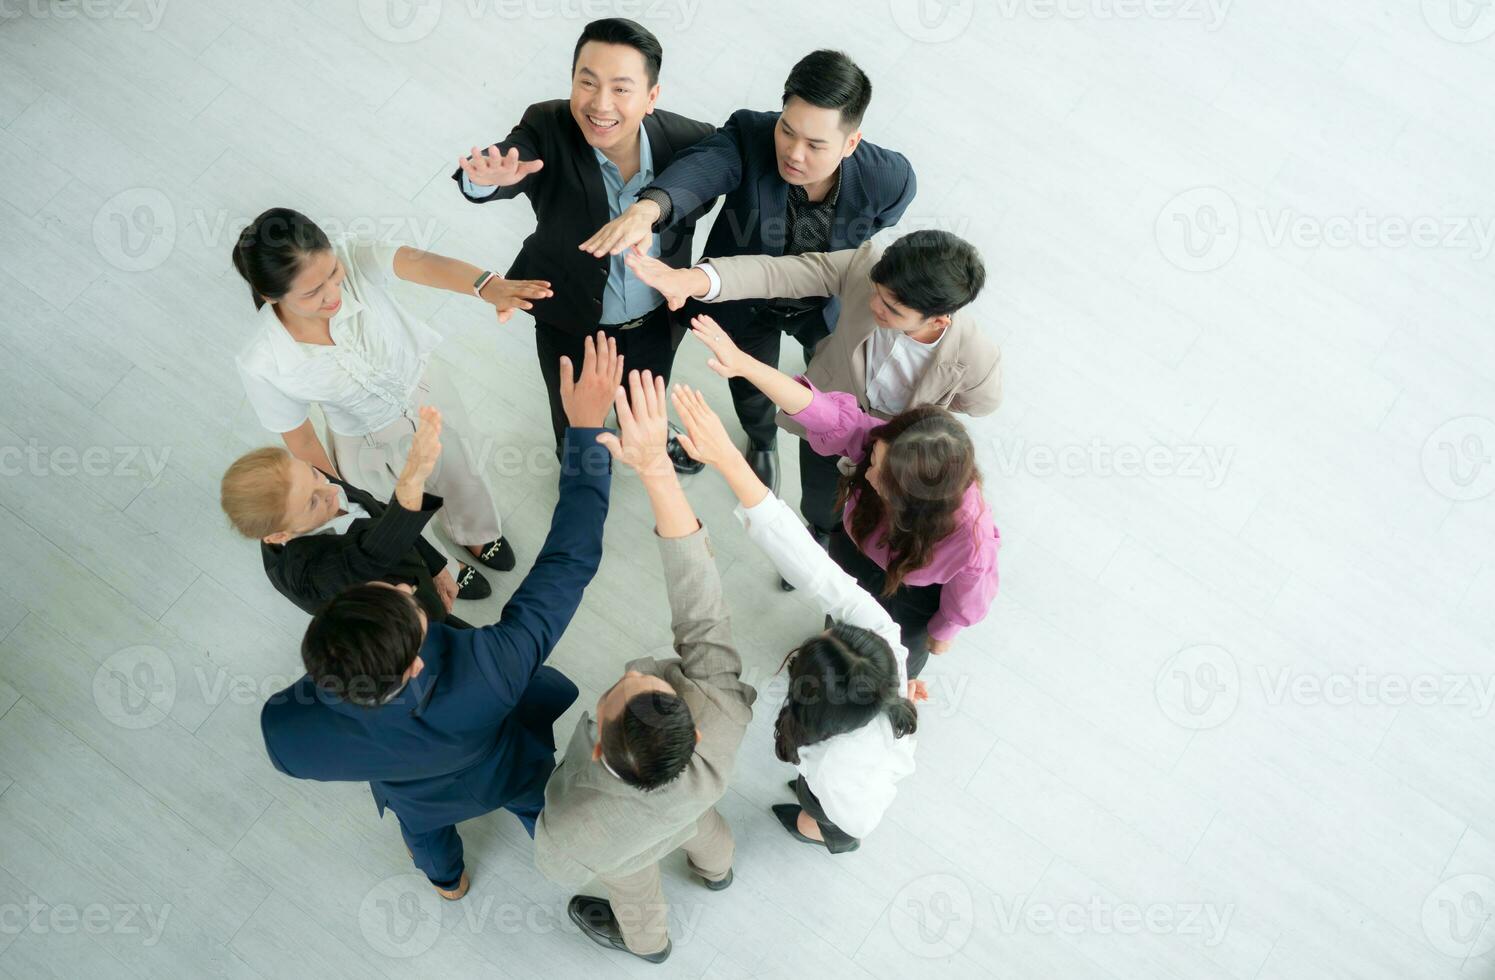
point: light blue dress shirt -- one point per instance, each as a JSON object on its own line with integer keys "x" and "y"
{"x": 624, "y": 298}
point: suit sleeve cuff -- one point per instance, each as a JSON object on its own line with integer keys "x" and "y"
{"x": 660, "y": 197}
{"x": 583, "y": 455}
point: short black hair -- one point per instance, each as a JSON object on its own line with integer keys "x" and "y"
{"x": 931, "y": 271}
{"x": 359, "y": 645}
{"x": 620, "y": 30}
{"x": 651, "y": 741}
{"x": 831, "y": 80}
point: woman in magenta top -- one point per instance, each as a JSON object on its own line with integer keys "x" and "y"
{"x": 916, "y": 530}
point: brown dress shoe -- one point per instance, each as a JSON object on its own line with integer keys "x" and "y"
{"x": 458, "y": 892}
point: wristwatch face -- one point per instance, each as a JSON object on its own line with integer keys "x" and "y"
{"x": 481, "y": 281}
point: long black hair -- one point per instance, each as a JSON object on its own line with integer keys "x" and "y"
{"x": 840, "y": 681}
{"x": 273, "y": 249}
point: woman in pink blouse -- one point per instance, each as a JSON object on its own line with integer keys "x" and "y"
{"x": 916, "y": 531}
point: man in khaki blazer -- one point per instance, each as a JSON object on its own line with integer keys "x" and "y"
{"x": 904, "y": 337}
{"x": 643, "y": 779}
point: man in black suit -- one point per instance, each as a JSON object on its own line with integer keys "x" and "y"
{"x": 581, "y": 162}
{"x": 319, "y": 535}
{"x": 796, "y": 181}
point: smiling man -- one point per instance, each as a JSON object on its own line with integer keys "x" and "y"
{"x": 796, "y": 181}
{"x": 581, "y": 162}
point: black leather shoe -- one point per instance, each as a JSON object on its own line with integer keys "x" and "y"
{"x": 765, "y": 466}
{"x": 497, "y": 555}
{"x": 822, "y": 539}
{"x": 681, "y": 458}
{"x": 594, "y": 917}
{"x": 788, "y": 814}
{"x": 471, "y": 584}
{"x": 716, "y": 886}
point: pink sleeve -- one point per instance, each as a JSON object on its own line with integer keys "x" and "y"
{"x": 834, "y": 424}
{"x": 966, "y": 598}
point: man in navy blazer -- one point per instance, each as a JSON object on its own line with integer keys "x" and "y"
{"x": 446, "y": 724}
{"x": 795, "y": 181}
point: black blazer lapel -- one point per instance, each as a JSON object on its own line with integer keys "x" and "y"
{"x": 851, "y": 223}
{"x": 589, "y": 174}
{"x": 773, "y": 206}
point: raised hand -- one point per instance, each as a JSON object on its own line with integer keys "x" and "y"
{"x": 675, "y": 285}
{"x": 705, "y": 438}
{"x": 634, "y": 228}
{"x": 508, "y": 295}
{"x": 425, "y": 446}
{"x": 491, "y": 168}
{"x": 644, "y": 427}
{"x": 588, "y": 398}
{"x": 727, "y": 358}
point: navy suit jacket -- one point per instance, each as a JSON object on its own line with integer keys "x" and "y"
{"x": 739, "y": 161}
{"x": 464, "y": 736}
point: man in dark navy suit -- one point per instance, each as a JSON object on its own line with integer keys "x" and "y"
{"x": 446, "y": 724}
{"x": 796, "y": 181}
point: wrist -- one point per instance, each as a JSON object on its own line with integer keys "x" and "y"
{"x": 647, "y": 209}
{"x": 700, "y": 282}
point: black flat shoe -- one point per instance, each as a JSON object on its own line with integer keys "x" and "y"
{"x": 788, "y": 814}
{"x": 681, "y": 458}
{"x": 497, "y": 555}
{"x": 471, "y": 584}
{"x": 716, "y": 886}
{"x": 594, "y": 917}
{"x": 765, "y": 466}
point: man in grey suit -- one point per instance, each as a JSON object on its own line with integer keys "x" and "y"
{"x": 643, "y": 779}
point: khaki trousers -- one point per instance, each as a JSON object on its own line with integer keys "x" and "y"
{"x": 637, "y": 899}
{"x": 373, "y": 463}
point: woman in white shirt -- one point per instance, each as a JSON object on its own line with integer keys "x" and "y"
{"x": 329, "y": 332}
{"x": 848, "y": 721}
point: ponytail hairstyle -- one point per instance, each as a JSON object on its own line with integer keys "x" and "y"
{"x": 928, "y": 465}
{"x": 273, "y": 249}
{"x": 840, "y": 681}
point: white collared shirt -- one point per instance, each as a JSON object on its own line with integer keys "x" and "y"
{"x": 854, "y": 775}
{"x": 364, "y": 379}
{"x": 895, "y": 363}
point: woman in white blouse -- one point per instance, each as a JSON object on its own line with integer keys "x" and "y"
{"x": 847, "y": 724}
{"x": 329, "y": 332}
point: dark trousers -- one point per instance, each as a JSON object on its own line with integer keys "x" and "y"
{"x": 911, "y": 606}
{"x": 647, "y": 347}
{"x": 819, "y": 480}
{"x": 438, "y": 853}
{"x": 836, "y": 839}
{"x": 760, "y": 338}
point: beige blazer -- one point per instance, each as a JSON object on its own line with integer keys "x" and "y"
{"x": 965, "y": 374}
{"x": 596, "y": 825}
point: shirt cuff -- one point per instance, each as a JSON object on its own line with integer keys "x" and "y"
{"x": 715, "y": 288}
{"x": 473, "y": 190}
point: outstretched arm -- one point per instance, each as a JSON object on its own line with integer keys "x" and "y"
{"x": 454, "y": 275}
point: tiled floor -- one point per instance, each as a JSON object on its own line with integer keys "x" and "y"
{"x": 1231, "y": 714}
